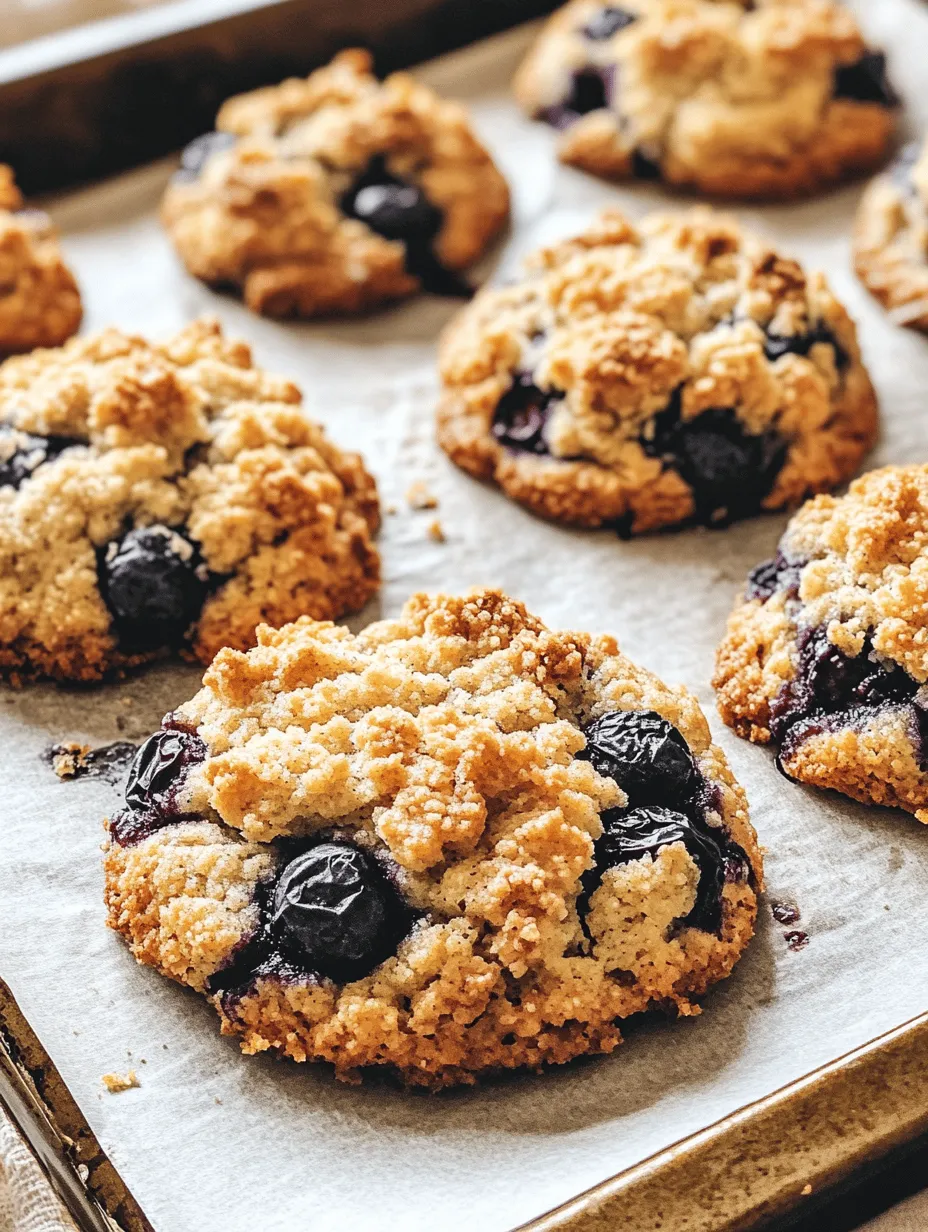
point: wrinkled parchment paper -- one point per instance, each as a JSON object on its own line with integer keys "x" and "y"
{"x": 219, "y": 1143}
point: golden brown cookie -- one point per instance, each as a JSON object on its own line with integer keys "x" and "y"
{"x": 454, "y": 843}
{"x": 891, "y": 238}
{"x": 40, "y": 305}
{"x": 167, "y": 498}
{"x": 827, "y": 653}
{"x": 751, "y": 99}
{"x": 336, "y": 194}
{"x": 644, "y": 376}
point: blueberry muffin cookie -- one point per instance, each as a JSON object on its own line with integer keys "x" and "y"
{"x": 40, "y": 304}
{"x": 158, "y": 499}
{"x": 455, "y": 843}
{"x": 644, "y": 376}
{"x": 336, "y": 194}
{"x": 750, "y": 99}
{"x": 826, "y": 654}
{"x": 891, "y": 238}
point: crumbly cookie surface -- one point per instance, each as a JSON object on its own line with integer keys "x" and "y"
{"x": 827, "y": 653}
{"x": 40, "y": 304}
{"x": 644, "y": 376}
{"x": 165, "y": 498}
{"x": 542, "y": 833}
{"x": 765, "y": 99}
{"x": 891, "y": 238}
{"x": 336, "y": 194}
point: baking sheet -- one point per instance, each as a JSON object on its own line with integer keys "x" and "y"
{"x": 219, "y": 1142}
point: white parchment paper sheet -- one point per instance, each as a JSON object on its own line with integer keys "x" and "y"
{"x": 220, "y": 1143}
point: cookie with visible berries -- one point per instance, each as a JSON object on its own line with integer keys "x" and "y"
{"x": 40, "y": 304}
{"x": 167, "y": 499}
{"x": 825, "y": 655}
{"x": 891, "y": 238}
{"x": 454, "y": 843}
{"x": 748, "y": 98}
{"x": 336, "y": 194}
{"x": 644, "y": 376}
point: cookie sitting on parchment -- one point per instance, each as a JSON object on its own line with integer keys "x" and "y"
{"x": 40, "y": 305}
{"x": 645, "y": 375}
{"x": 167, "y": 498}
{"x": 745, "y": 98}
{"x": 454, "y": 843}
{"x": 336, "y": 194}
{"x": 891, "y": 238}
{"x": 826, "y": 655}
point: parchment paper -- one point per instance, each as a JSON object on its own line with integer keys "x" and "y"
{"x": 219, "y": 1143}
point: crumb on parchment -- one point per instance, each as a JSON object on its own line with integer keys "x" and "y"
{"x": 437, "y": 531}
{"x": 69, "y": 759}
{"x": 418, "y": 496}
{"x": 115, "y": 1083}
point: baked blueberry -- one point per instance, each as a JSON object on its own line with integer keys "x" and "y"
{"x": 334, "y": 911}
{"x": 154, "y": 584}
{"x": 729, "y": 469}
{"x": 608, "y": 21}
{"x": 630, "y": 834}
{"x": 400, "y": 211}
{"x": 591, "y": 89}
{"x": 21, "y": 453}
{"x": 866, "y": 81}
{"x": 776, "y": 345}
{"x": 782, "y": 573}
{"x": 644, "y": 167}
{"x": 194, "y": 156}
{"x": 522, "y": 415}
{"x": 644, "y": 754}
{"x": 160, "y": 766}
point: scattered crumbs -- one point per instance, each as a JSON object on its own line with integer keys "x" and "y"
{"x": 126, "y": 701}
{"x": 796, "y": 940}
{"x": 120, "y": 1082}
{"x": 165, "y": 1047}
{"x": 436, "y": 531}
{"x": 784, "y": 913}
{"x": 77, "y": 761}
{"x": 68, "y": 760}
{"x": 418, "y": 496}
{"x": 806, "y": 1190}
{"x": 390, "y": 508}
{"x": 217, "y": 1100}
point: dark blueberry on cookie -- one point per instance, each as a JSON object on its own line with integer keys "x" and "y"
{"x": 591, "y": 89}
{"x": 644, "y": 754}
{"x": 630, "y": 834}
{"x": 400, "y": 211}
{"x": 160, "y": 766}
{"x": 334, "y": 911}
{"x": 195, "y": 155}
{"x": 729, "y": 470}
{"x": 781, "y": 574}
{"x": 866, "y": 81}
{"x": 829, "y": 682}
{"x": 522, "y": 415}
{"x": 154, "y": 584}
{"x": 776, "y": 345}
{"x": 607, "y": 22}
{"x": 22, "y": 453}
{"x": 156, "y": 777}
{"x": 644, "y": 167}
